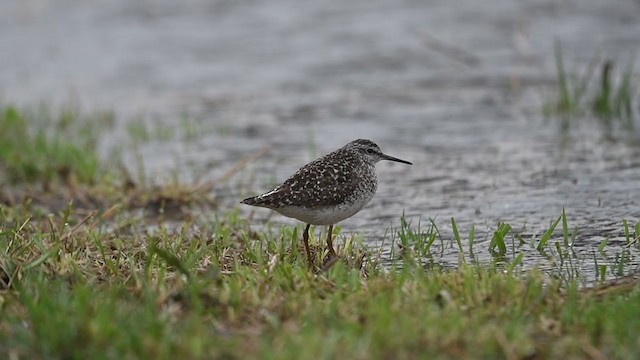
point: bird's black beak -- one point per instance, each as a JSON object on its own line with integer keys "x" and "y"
{"x": 391, "y": 158}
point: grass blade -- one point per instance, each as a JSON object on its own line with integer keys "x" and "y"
{"x": 625, "y": 225}
{"x": 170, "y": 259}
{"x": 498, "y": 239}
{"x": 547, "y": 235}
{"x": 456, "y": 234}
{"x": 565, "y": 228}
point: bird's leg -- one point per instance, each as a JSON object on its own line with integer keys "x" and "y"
{"x": 305, "y": 240}
{"x": 332, "y": 252}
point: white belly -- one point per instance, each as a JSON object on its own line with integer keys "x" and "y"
{"x": 325, "y": 215}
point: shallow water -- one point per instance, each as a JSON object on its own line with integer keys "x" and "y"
{"x": 455, "y": 87}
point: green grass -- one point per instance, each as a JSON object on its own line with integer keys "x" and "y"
{"x": 598, "y": 92}
{"x": 215, "y": 288}
{"x": 38, "y": 148}
{"x": 510, "y": 249}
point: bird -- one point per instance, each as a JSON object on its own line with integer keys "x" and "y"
{"x": 329, "y": 189}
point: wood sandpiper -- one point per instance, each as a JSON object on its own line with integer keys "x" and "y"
{"x": 329, "y": 189}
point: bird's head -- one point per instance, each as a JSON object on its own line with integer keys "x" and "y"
{"x": 371, "y": 152}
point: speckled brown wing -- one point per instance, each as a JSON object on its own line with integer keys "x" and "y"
{"x": 326, "y": 181}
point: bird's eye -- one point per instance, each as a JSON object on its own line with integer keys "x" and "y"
{"x": 369, "y": 151}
